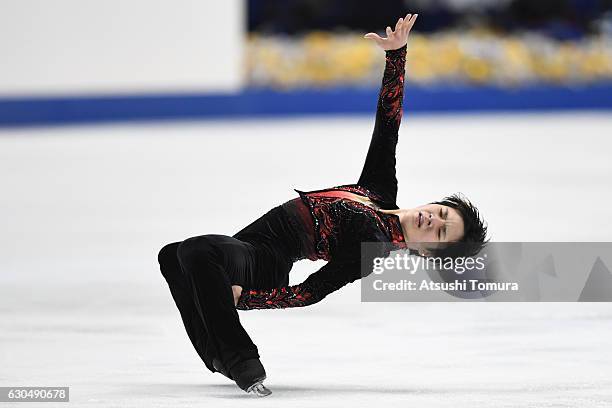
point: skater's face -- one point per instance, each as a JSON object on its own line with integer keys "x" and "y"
{"x": 432, "y": 226}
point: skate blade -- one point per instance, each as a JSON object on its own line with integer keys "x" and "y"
{"x": 258, "y": 390}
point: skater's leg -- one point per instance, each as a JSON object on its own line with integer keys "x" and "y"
{"x": 208, "y": 261}
{"x": 183, "y": 297}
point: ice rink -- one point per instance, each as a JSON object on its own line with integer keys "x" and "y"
{"x": 85, "y": 210}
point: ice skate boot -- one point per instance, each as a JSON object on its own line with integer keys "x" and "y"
{"x": 249, "y": 376}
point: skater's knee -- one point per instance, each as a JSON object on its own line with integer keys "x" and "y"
{"x": 195, "y": 248}
{"x": 168, "y": 253}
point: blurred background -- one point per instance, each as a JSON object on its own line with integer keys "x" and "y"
{"x": 73, "y": 61}
{"x": 506, "y": 43}
{"x": 126, "y": 125}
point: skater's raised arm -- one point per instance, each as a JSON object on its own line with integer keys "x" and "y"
{"x": 331, "y": 277}
{"x": 378, "y": 174}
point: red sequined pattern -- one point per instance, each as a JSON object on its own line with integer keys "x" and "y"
{"x": 330, "y": 206}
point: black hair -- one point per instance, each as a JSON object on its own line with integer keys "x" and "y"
{"x": 475, "y": 229}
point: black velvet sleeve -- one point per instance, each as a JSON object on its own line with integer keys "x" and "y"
{"x": 378, "y": 174}
{"x": 331, "y": 277}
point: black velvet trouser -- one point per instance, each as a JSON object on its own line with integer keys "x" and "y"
{"x": 201, "y": 270}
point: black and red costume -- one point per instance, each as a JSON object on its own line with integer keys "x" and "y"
{"x": 323, "y": 224}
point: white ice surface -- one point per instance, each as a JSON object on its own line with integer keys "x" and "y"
{"x": 84, "y": 211}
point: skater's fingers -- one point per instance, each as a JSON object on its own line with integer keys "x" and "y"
{"x": 398, "y": 25}
{"x": 375, "y": 37}
{"x": 412, "y": 20}
{"x": 389, "y": 31}
{"x": 406, "y": 20}
{"x": 406, "y": 25}
{"x": 409, "y": 23}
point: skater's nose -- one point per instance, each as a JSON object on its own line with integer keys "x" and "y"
{"x": 435, "y": 221}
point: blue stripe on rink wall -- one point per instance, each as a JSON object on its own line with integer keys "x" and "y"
{"x": 265, "y": 102}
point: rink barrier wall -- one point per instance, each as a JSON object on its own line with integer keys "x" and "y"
{"x": 265, "y": 102}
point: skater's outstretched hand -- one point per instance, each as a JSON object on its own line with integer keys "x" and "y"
{"x": 395, "y": 38}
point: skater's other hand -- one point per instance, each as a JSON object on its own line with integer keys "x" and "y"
{"x": 237, "y": 291}
{"x": 395, "y": 38}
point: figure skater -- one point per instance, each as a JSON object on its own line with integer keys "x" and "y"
{"x": 211, "y": 276}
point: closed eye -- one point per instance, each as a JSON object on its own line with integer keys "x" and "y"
{"x": 444, "y": 216}
{"x": 440, "y": 229}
